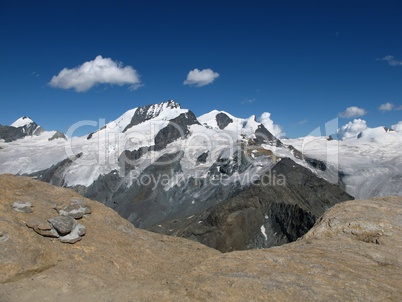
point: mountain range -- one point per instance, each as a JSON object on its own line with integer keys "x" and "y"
{"x": 221, "y": 180}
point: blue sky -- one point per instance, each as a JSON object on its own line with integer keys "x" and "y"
{"x": 305, "y": 62}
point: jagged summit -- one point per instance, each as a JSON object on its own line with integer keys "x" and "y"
{"x": 143, "y": 119}
{"x": 152, "y": 111}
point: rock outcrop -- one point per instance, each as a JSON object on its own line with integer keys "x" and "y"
{"x": 222, "y": 120}
{"x": 64, "y": 227}
{"x": 351, "y": 254}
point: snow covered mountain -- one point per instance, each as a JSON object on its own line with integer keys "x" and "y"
{"x": 160, "y": 163}
{"x": 142, "y": 135}
{"x": 146, "y": 130}
{"x": 367, "y": 163}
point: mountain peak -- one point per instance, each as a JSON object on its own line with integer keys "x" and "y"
{"x": 22, "y": 127}
{"x": 22, "y": 121}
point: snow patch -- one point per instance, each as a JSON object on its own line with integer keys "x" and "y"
{"x": 263, "y": 231}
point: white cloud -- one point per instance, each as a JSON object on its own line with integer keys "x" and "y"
{"x": 389, "y": 107}
{"x": 397, "y": 127}
{"x": 386, "y": 107}
{"x": 275, "y": 129}
{"x": 200, "y": 78}
{"x": 351, "y": 129}
{"x": 99, "y": 71}
{"x": 391, "y": 60}
{"x": 352, "y": 112}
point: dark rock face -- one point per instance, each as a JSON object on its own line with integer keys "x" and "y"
{"x": 263, "y": 136}
{"x": 223, "y": 120}
{"x": 148, "y": 112}
{"x": 146, "y": 201}
{"x": 316, "y": 163}
{"x": 10, "y": 134}
{"x": 278, "y": 209}
{"x": 147, "y": 198}
{"x": 177, "y": 128}
{"x": 202, "y": 158}
{"x": 127, "y": 158}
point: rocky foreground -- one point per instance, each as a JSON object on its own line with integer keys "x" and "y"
{"x": 352, "y": 254}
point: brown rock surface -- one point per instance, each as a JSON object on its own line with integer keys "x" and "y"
{"x": 352, "y": 254}
{"x": 113, "y": 259}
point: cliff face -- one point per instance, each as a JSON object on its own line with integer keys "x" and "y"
{"x": 278, "y": 209}
{"x": 351, "y": 254}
